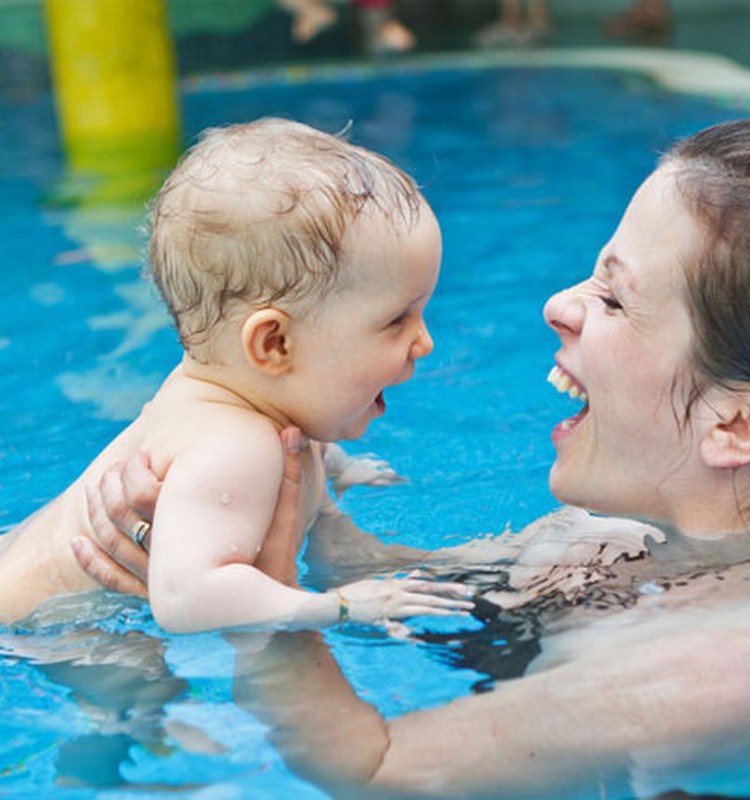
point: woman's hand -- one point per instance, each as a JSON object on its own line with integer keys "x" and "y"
{"x": 127, "y": 494}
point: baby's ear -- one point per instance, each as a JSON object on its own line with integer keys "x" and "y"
{"x": 726, "y": 445}
{"x": 265, "y": 340}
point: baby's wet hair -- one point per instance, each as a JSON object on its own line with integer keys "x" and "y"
{"x": 256, "y": 214}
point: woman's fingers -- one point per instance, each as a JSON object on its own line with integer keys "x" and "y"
{"x": 110, "y": 496}
{"x": 140, "y": 488}
{"x": 278, "y": 554}
{"x": 110, "y": 538}
{"x": 287, "y": 506}
{"x": 125, "y": 495}
{"x": 104, "y": 570}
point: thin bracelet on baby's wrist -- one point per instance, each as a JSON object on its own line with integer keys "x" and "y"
{"x": 343, "y": 609}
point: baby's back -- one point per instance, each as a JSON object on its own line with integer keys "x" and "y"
{"x": 36, "y": 559}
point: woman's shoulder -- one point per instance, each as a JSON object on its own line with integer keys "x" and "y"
{"x": 572, "y": 536}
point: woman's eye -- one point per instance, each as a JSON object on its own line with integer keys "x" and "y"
{"x": 610, "y": 302}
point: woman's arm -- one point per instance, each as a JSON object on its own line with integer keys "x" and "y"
{"x": 669, "y": 712}
{"x": 673, "y": 703}
{"x": 319, "y": 724}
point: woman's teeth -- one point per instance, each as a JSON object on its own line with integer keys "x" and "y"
{"x": 563, "y": 383}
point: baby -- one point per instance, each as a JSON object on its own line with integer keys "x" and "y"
{"x": 297, "y": 268}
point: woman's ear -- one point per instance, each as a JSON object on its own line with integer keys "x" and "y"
{"x": 726, "y": 445}
{"x": 266, "y": 340}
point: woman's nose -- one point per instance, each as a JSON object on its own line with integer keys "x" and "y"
{"x": 564, "y": 311}
{"x": 423, "y": 343}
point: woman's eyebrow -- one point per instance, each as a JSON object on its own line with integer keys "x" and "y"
{"x": 620, "y": 273}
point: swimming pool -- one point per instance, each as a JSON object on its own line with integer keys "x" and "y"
{"x": 527, "y": 169}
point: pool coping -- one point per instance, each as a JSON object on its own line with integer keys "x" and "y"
{"x": 683, "y": 71}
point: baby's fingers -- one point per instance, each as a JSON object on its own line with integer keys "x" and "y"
{"x": 418, "y": 609}
{"x": 437, "y": 601}
{"x": 446, "y": 588}
{"x": 413, "y": 604}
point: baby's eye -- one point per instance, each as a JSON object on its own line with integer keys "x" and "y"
{"x": 610, "y": 302}
{"x": 399, "y": 320}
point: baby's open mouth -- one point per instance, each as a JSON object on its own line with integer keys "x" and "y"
{"x": 380, "y": 401}
{"x": 567, "y": 384}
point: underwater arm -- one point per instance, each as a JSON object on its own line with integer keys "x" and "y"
{"x": 337, "y": 547}
{"x": 590, "y": 728}
{"x": 581, "y": 729}
{"x": 319, "y": 724}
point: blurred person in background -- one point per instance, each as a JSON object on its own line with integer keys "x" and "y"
{"x": 518, "y": 22}
{"x": 382, "y": 31}
{"x": 643, "y": 18}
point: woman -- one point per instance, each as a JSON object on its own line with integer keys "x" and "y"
{"x": 641, "y": 686}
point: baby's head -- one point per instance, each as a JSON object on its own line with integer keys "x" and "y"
{"x": 255, "y": 215}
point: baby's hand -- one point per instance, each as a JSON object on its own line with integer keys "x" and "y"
{"x": 344, "y": 470}
{"x": 377, "y": 601}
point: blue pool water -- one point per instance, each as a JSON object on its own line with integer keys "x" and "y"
{"x": 527, "y": 170}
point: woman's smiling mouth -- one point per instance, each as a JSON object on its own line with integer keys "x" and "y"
{"x": 567, "y": 384}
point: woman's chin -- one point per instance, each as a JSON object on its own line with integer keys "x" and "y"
{"x": 556, "y": 480}
{"x": 569, "y": 489}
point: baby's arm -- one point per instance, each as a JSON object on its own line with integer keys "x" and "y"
{"x": 209, "y": 527}
{"x": 214, "y": 511}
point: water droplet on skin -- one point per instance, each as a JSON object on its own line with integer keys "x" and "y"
{"x": 225, "y": 499}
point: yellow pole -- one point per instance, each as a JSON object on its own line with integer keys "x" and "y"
{"x": 114, "y": 77}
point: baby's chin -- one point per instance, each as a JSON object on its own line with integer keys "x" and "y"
{"x": 351, "y": 432}
{"x": 331, "y": 437}
{"x": 348, "y": 435}
{"x": 343, "y": 431}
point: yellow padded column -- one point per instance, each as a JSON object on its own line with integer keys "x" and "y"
{"x": 114, "y": 77}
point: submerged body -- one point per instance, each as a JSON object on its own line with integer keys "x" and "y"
{"x": 636, "y": 685}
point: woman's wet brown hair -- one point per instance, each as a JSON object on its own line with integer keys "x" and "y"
{"x": 712, "y": 171}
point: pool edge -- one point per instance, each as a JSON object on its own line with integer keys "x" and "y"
{"x": 684, "y": 71}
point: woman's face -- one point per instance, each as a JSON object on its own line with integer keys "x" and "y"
{"x": 626, "y": 337}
